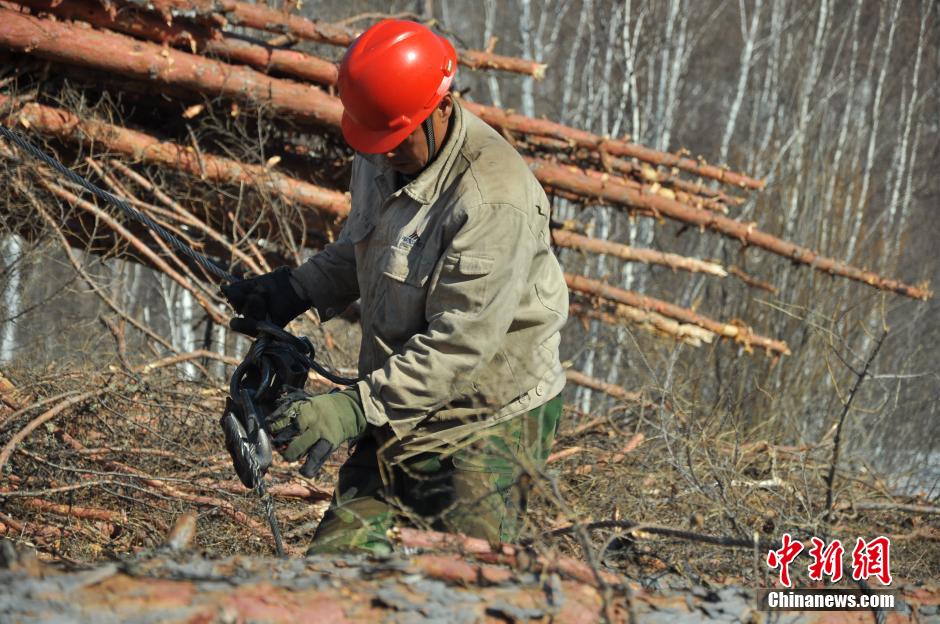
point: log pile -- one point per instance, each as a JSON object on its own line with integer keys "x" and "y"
{"x": 189, "y": 52}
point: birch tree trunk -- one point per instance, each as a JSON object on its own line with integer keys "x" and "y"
{"x": 12, "y": 302}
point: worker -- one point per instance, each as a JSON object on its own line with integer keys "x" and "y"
{"x": 461, "y": 302}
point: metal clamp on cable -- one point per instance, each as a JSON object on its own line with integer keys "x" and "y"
{"x": 276, "y": 360}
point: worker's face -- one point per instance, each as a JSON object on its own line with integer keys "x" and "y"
{"x": 411, "y": 155}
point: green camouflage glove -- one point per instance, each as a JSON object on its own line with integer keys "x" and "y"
{"x": 316, "y": 426}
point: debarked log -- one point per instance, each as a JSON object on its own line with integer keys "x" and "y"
{"x": 646, "y": 319}
{"x": 737, "y": 332}
{"x": 573, "y": 240}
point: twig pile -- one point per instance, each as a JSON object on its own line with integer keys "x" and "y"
{"x": 101, "y": 473}
{"x": 85, "y": 493}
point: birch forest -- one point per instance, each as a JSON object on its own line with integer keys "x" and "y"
{"x": 745, "y": 204}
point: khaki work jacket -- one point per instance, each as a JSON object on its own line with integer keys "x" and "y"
{"x": 461, "y": 296}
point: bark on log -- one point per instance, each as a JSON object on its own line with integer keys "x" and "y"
{"x": 506, "y": 554}
{"x": 261, "y": 17}
{"x": 739, "y": 333}
{"x": 163, "y": 587}
{"x": 515, "y": 122}
{"x": 572, "y": 240}
{"x": 195, "y": 38}
{"x": 64, "y": 125}
{"x": 565, "y": 178}
{"x": 122, "y": 55}
{"x": 312, "y": 104}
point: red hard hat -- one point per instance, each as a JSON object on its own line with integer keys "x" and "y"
{"x": 390, "y": 80}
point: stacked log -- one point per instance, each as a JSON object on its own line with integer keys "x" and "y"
{"x": 185, "y": 48}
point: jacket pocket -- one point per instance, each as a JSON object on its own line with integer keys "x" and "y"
{"x": 463, "y": 286}
{"x": 402, "y": 295}
{"x": 409, "y": 266}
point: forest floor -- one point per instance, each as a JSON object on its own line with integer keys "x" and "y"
{"x": 99, "y": 466}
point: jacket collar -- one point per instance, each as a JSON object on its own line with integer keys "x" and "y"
{"x": 426, "y": 188}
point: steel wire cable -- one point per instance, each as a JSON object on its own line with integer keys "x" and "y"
{"x": 205, "y": 262}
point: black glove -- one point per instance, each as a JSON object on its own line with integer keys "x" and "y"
{"x": 268, "y": 297}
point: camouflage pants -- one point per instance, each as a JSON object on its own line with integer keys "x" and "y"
{"x": 481, "y": 490}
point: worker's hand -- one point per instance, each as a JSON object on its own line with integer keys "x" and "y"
{"x": 316, "y": 426}
{"x": 266, "y": 297}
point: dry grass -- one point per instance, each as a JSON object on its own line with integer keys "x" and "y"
{"x": 154, "y": 444}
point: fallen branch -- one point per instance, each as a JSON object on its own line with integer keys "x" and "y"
{"x": 179, "y": 358}
{"x": 300, "y": 491}
{"x": 43, "y": 418}
{"x": 10, "y": 527}
{"x": 224, "y": 506}
{"x": 638, "y": 530}
{"x": 613, "y": 458}
{"x": 618, "y": 392}
{"x": 917, "y": 509}
{"x": 9, "y": 395}
{"x": 599, "y": 457}
{"x": 72, "y": 511}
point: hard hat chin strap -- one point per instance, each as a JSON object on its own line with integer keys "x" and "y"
{"x": 428, "y": 125}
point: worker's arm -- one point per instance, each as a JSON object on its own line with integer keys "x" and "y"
{"x": 328, "y": 279}
{"x": 483, "y": 275}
